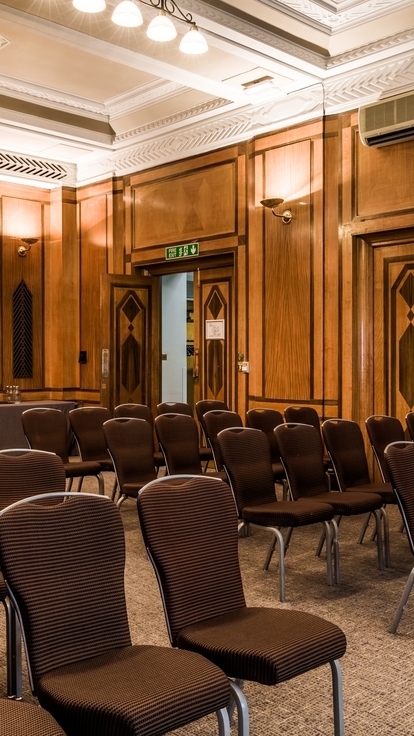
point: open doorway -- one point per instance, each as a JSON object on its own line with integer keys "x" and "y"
{"x": 177, "y": 337}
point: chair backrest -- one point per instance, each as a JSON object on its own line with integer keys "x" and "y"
{"x": 178, "y": 438}
{"x": 174, "y": 407}
{"x": 214, "y": 422}
{"x": 137, "y": 411}
{"x": 25, "y": 473}
{"x": 130, "y": 444}
{"x": 64, "y": 565}
{"x": 190, "y": 531}
{"x": 399, "y": 457}
{"x": 301, "y": 452}
{"x": 266, "y": 420}
{"x": 47, "y": 429}
{"x": 246, "y": 457}
{"x": 303, "y": 415}
{"x": 382, "y": 430}
{"x": 87, "y": 425}
{"x": 409, "y": 418}
{"x": 345, "y": 445}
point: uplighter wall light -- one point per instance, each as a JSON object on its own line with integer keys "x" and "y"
{"x": 29, "y": 242}
{"x": 273, "y": 202}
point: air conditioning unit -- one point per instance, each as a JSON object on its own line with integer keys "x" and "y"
{"x": 388, "y": 121}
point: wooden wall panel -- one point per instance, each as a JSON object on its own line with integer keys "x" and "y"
{"x": 22, "y": 217}
{"x": 182, "y": 208}
{"x": 385, "y": 178}
{"x": 93, "y": 224}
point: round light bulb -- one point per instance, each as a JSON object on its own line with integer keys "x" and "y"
{"x": 161, "y": 28}
{"x": 193, "y": 42}
{"x": 127, "y": 14}
{"x": 89, "y": 6}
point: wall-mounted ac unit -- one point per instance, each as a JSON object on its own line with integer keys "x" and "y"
{"x": 388, "y": 121}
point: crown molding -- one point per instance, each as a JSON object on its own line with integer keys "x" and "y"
{"x": 339, "y": 16}
{"x": 34, "y": 168}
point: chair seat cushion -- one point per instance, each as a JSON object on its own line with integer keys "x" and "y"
{"x": 288, "y": 513}
{"x": 205, "y": 453}
{"x": 278, "y": 470}
{"x": 106, "y": 464}
{"x": 351, "y": 502}
{"x": 384, "y": 490}
{"x": 132, "y": 489}
{"x": 26, "y": 719}
{"x": 77, "y": 470}
{"x": 266, "y": 645}
{"x": 133, "y": 691}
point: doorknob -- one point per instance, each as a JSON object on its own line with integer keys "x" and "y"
{"x": 196, "y": 365}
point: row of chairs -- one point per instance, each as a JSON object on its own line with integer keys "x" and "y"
{"x": 89, "y": 675}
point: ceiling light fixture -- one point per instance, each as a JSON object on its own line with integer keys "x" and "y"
{"x": 273, "y": 202}
{"x": 161, "y": 28}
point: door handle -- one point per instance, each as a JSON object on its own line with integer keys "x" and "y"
{"x": 196, "y": 365}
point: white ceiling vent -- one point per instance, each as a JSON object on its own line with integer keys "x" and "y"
{"x": 389, "y": 121}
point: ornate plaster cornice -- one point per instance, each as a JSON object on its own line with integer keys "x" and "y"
{"x": 344, "y": 15}
{"x": 175, "y": 119}
{"x": 367, "y": 50}
{"x": 35, "y": 168}
{"x": 3, "y": 42}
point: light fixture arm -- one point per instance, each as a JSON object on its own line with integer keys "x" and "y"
{"x": 171, "y": 8}
{"x": 274, "y": 202}
{"x": 29, "y": 242}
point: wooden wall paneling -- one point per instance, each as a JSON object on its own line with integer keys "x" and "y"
{"x": 288, "y": 276}
{"x": 315, "y": 205}
{"x": 128, "y": 225}
{"x": 118, "y": 227}
{"x": 362, "y": 338}
{"x": 331, "y": 347}
{"x": 255, "y": 302}
{"x": 194, "y": 206}
{"x": 56, "y": 353}
{"x": 385, "y": 178}
{"x": 93, "y": 212}
{"x": 241, "y": 383}
{"x": 23, "y": 217}
{"x": 70, "y": 307}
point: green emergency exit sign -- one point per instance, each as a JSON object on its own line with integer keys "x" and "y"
{"x": 182, "y": 251}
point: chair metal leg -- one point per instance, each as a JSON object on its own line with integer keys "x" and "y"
{"x": 238, "y": 699}
{"x": 335, "y": 544}
{"x": 14, "y": 652}
{"x": 378, "y": 517}
{"x": 101, "y": 484}
{"x": 114, "y": 490}
{"x": 277, "y": 537}
{"x": 69, "y": 484}
{"x": 364, "y": 527}
{"x": 328, "y": 537}
{"x": 403, "y": 602}
{"x": 223, "y": 722}
{"x": 80, "y": 484}
{"x": 320, "y": 544}
{"x": 338, "y": 706}
{"x": 386, "y": 531}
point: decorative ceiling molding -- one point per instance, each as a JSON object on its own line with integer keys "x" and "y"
{"x": 222, "y": 131}
{"x": 130, "y": 103}
{"x": 3, "y": 42}
{"x": 37, "y": 169}
{"x": 364, "y": 52}
{"x": 176, "y": 119}
{"x": 352, "y": 90}
{"x": 344, "y": 15}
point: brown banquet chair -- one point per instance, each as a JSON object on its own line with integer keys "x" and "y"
{"x": 141, "y": 411}
{"x": 266, "y": 420}
{"x": 178, "y": 438}
{"x": 86, "y": 672}
{"x": 189, "y": 527}
{"x": 246, "y": 457}
{"x": 181, "y": 407}
{"x": 26, "y": 719}
{"x": 214, "y": 422}
{"x": 130, "y": 442}
{"x": 48, "y": 429}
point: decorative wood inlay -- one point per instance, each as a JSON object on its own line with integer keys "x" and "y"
{"x": 197, "y": 205}
{"x": 22, "y": 332}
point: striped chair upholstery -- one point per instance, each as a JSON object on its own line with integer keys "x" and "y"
{"x": 65, "y": 567}
{"x": 399, "y": 458}
{"x": 190, "y": 530}
{"x": 26, "y": 719}
{"x": 247, "y": 461}
{"x": 131, "y": 446}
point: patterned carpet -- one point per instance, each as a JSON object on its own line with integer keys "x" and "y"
{"x": 378, "y": 668}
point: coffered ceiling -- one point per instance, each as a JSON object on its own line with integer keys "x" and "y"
{"x": 82, "y": 98}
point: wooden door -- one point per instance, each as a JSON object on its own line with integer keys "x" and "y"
{"x": 130, "y": 357}
{"x": 214, "y": 335}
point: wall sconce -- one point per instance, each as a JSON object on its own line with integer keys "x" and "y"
{"x": 275, "y": 202}
{"x": 29, "y": 242}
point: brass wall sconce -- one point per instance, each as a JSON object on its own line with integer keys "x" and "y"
{"x": 29, "y": 242}
{"x": 275, "y": 202}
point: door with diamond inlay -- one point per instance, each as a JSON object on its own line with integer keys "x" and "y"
{"x": 130, "y": 348}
